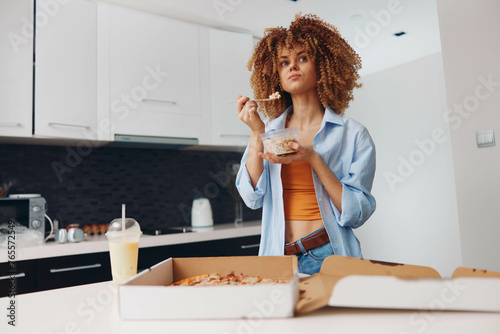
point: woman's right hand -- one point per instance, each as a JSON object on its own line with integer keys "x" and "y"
{"x": 247, "y": 112}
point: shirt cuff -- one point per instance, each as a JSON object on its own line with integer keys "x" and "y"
{"x": 252, "y": 197}
{"x": 356, "y": 208}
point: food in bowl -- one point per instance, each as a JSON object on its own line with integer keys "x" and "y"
{"x": 276, "y": 141}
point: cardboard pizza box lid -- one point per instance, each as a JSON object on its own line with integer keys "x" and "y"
{"x": 473, "y": 272}
{"x": 387, "y": 292}
{"x": 357, "y": 283}
{"x": 315, "y": 290}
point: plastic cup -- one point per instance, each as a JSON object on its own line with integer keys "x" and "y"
{"x": 123, "y": 248}
{"x": 276, "y": 141}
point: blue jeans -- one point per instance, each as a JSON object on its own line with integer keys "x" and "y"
{"x": 310, "y": 261}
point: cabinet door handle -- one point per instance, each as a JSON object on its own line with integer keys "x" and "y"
{"x": 11, "y": 124}
{"x": 159, "y": 101}
{"x": 249, "y": 246}
{"x": 69, "y": 125}
{"x": 60, "y": 270}
{"x": 11, "y": 276}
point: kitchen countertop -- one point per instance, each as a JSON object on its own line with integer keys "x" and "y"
{"x": 97, "y": 244}
{"x": 93, "y": 308}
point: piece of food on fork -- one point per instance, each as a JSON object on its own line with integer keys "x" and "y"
{"x": 273, "y": 96}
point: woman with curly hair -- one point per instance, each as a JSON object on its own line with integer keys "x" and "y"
{"x": 313, "y": 198}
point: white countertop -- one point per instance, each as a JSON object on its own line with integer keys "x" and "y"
{"x": 93, "y": 308}
{"x": 96, "y": 244}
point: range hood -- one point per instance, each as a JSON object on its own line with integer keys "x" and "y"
{"x": 152, "y": 141}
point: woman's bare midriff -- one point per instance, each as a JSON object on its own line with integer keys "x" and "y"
{"x": 296, "y": 229}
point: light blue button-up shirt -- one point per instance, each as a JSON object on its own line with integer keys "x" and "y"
{"x": 348, "y": 150}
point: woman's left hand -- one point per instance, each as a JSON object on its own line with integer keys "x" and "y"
{"x": 302, "y": 153}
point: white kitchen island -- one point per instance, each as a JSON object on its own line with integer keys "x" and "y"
{"x": 93, "y": 309}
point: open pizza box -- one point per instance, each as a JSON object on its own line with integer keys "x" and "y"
{"x": 146, "y": 296}
{"x": 342, "y": 282}
{"x": 359, "y": 283}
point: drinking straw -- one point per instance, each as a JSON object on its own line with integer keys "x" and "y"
{"x": 123, "y": 217}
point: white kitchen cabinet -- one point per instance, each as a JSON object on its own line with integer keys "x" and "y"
{"x": 16, "y": 68}
{"x": 66, "y": 69}
{"x": 154, "y": 74}
{"x": 229, "y": 53}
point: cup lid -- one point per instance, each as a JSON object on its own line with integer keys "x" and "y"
{"x": 131, "y": 227}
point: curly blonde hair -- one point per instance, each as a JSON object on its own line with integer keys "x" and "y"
{"x": 336, "y": 62}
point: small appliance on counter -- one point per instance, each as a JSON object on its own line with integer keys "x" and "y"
{"x": 25, "y": 214}
{"x": 70, "y": 234}
{"x": 201, "y": 213}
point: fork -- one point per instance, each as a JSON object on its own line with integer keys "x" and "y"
{"x": 258, "y": 100}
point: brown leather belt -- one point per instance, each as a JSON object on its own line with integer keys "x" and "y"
{"x": 317, "y": 239}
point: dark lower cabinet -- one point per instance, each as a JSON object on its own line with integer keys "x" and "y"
{"x": 243, "y": 246}
{"x": 53, "y": 273}
{"x": 65, "y": 271}
{"x": 150, "y": 256}
{"x": 61, "y": 272}
{"x": 18, "y": 277}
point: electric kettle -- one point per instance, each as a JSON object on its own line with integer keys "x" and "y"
{"x": 201, "y": 213}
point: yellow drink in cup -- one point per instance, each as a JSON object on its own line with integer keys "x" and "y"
{"x": 123, "y": 258}
{"x": 123, "y": 237}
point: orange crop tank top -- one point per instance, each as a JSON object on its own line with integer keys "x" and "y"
{"x": 299, "y": 197}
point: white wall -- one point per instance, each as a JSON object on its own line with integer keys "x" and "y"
{"x": 471, "y": 51}
{"x": 416, "y": 218}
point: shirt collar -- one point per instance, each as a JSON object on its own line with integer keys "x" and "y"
{"x": 279, "y": 123}
{"x": 332, "y": 117}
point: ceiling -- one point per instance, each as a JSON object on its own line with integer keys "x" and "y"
{"x": 368, "y": 25}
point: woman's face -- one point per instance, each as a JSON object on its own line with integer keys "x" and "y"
{"x": 297, "y": 71}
